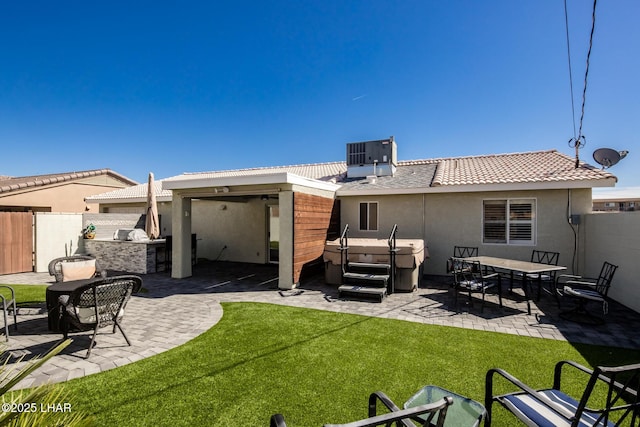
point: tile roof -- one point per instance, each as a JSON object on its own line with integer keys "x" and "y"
{"x": 136, "y": 193}
{"x": 537, "y": 168}
{"x": 9, "y": 184}
{"x": 531, "y": 167}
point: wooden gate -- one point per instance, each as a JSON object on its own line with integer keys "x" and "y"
{"x": 16, "y": 242}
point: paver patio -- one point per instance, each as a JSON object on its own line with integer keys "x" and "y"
{"x": 173, "y": 311}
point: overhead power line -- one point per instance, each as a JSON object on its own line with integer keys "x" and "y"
{"x": 578, "y": 139}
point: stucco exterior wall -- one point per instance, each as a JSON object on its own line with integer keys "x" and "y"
{"x": 444, "y": 220}
{"x": 164, "y": 212}
{"x": 124, "y": 208}
{"x": 615, "y": 237}
{"x": 404, "y": 210}
{"x": 241, "y": 227}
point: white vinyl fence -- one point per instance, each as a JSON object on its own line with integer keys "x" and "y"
{"x": 56, "y": 235}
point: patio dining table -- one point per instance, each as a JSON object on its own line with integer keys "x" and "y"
{"x": 513, "y": 266}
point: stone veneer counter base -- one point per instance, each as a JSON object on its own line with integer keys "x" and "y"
{"x": 138, "y": 257}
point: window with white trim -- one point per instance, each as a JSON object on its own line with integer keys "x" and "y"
{"x": 510, "y": 221}
{"x": 369, "y": 216}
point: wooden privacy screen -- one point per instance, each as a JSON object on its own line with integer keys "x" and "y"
{"x": 16, "y": 242}
{"x": 312, "y": 222}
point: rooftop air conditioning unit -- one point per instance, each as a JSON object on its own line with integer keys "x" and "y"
{"x": 371, "y": 158}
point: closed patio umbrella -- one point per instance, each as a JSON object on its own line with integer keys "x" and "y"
{"x": 152, "y": 224}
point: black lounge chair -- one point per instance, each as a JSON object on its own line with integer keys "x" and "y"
{"x": 617, "y": 399}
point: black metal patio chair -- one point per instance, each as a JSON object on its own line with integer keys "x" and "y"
{"x": 541, "y": 279}
{"x": 97, "y": 304}
{"x": 465, "y": 251}
{"x": 610, "y": 397}
{"x": 548, "y": 278}
{"x": 583, "y": 292}
{"x": 470, "y": 277}
{"x": 461, "y": 252}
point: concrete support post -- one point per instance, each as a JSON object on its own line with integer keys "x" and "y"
{"x": 181, "y": 232}
{"x": 285, "y": 266}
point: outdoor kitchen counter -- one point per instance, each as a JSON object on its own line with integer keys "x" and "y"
{"x": 132, "y": 256}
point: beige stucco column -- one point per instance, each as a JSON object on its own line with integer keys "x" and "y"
{"x": 181, "y": 232}
{"x": 285, "y": 266}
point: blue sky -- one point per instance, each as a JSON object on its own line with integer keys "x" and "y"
{"x": 184, "y": 86}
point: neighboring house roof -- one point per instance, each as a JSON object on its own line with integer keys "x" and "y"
{"x": 616, "y": 194}
{"x": 135, "y": 194}
{"x": 11, "y": 184}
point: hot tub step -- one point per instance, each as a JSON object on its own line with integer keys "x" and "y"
{"x": 368, "y": 279}
{"x": 362, "y": 291}
{"x": 366, "y": 267}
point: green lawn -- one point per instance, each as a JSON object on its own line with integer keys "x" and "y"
{"x": 26, "y": 295}
{"x": 315, "y": 367}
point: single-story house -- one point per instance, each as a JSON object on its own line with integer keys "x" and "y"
{"x": 59, "y": 192}
{"x": 22, "y": 197}
{"x": 617, "y": 200}
{"x": 506, "y": 204}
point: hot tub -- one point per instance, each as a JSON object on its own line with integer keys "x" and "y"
{"x": 410, "y": 258}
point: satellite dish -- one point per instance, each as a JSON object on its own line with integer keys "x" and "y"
{"x": 607, "y": 157}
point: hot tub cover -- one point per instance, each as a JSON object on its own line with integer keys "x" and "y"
{"x": 411, "y": 252}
